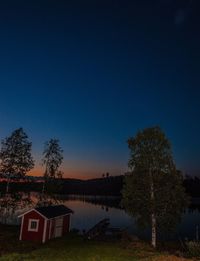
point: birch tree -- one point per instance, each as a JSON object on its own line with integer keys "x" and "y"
{"x": 52, "y": 159}
{"x": 15, "y": 161}
{"x": 15, "y": 155}
{"x": 153, "y": 193}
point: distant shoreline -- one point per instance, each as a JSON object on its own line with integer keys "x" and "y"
{"x": 106, "y": 186}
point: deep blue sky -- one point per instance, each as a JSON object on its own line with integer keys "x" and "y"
{"x": 92, "y": 73}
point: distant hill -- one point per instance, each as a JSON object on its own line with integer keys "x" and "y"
{"x": 108, "y": 186}
{"x": 103, "y": 186}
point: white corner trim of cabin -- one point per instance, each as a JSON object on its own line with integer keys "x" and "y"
{"x": 69, "y": 223}
{"x": 21, "y": 228}
{"x": 44, "y": 231}
{"x": 50, "y": 227}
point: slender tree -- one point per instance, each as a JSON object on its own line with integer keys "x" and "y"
{"x": 153, "y": 191}
{"x": 15, "y": 162}
{"x": 52, "y": 159}
{"x": 15, "y": 155}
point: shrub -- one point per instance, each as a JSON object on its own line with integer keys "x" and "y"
{"x": 193, "y": 248}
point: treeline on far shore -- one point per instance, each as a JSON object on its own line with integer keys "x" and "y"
{"x": 108, "y": 186}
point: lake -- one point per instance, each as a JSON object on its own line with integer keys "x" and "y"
{"x": 89, "y": 210}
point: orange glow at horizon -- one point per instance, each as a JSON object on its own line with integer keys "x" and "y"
{"x": 38, "y": 171}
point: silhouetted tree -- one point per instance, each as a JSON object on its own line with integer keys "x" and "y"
{"x": 15, "y": 155}
{"x": 107, "y": 174}
{"x": 15, "y": 162}
{"x": 153, "y": 191}
{"x": 52, "y": 159}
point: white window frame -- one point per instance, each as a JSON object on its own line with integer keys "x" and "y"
{"x": 37, "y": 225}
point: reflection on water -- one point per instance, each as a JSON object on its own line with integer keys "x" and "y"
{"x": 104, "y": 201}
{"x": 87, "y": 215}
{"x": 89, "y": 210}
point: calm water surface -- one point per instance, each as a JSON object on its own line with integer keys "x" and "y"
{"x": 87, "y": 214}
{"x": 90, "y": 210}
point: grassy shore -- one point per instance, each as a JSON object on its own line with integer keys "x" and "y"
{"x": 75, "y": 248}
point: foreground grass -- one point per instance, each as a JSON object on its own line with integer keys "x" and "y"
{"x": 75, "y": 248}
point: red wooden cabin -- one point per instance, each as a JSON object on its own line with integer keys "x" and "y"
{"x": 43, "y": 223}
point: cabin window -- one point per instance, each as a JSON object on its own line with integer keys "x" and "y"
{"x": 33, "y": 225}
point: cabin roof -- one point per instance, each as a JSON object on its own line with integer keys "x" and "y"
{"x": 54, "y": 211}
{"x": 51, "y": 211}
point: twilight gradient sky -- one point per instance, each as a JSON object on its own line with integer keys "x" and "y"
{"x": 92, "y": 73}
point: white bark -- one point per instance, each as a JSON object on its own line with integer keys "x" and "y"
{"x": 7, "y": 185}
{"x": 153, "y": 216}
{"x": 43, "y": 187}
{"x": 197, "y": 233}
{"x": 153, "y": 230}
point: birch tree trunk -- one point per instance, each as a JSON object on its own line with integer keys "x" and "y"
{"x": 153, "y": 230}
{"x": 7, "y": 185}
{"x": 153, "y": 216}
{"x": 43, "y": 188}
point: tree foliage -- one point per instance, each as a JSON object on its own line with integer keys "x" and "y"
{"x": 153, "y": 187}
{"x": 15, "y": 161}
{"x": 15, "y": 154}
{"x": 52, "y": 159}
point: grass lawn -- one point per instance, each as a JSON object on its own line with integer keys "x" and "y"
{"x": 74, "y": 248}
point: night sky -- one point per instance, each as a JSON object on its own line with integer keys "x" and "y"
{"x": 93, "y": 73}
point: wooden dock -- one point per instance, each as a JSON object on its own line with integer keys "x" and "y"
{"x": 98, "y": 229}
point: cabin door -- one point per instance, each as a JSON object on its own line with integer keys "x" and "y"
{"x": 58, "y": 227}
